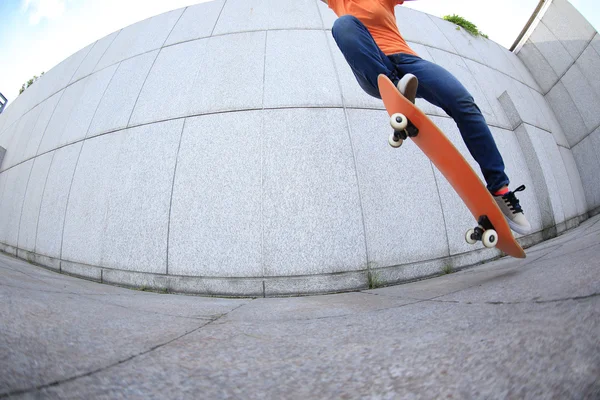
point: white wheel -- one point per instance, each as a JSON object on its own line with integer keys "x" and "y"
{"x": 398, "y": 122}
{"x": 468, "y": 236}
{"x": 490, "y": 238}
{"x": 393, "y": 143}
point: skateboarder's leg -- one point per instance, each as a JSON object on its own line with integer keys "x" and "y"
{"x": 363, "y": 55}
{"x": 441, "y": 88}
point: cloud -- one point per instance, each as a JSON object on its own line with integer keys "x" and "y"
{"x": 40, "y": 9}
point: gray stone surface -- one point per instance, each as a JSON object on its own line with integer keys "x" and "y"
{"x": 54, "y": 202}
{"x": 495, "y": 55}
{"x": 196, "y": 22}
{"x": 23, "y": 103}
{"x": 511, "y": 112}
{"x": 26, "y": 139}
{"x": 116, "y": 106}
{"x": 539, "y": 67}
{"x": 549, "y": 117}
{"x": 217, "y": 286}
{"x": 567, "y": 24}
{"x": 32, "y": 201}
{"x": 551, "y": 167}
{"x": 92, "y": 58}
{"x": 167, "y": 89}
{"x": 37, "y": 133}
{"x": 327, "y": 15}
{"x": 58, "y": 77}
{"x": 139, "y": 38}
{"x": 460, "y": 39}
{"x": 17, "y": 143}
{"x": 9, "y": 140}
{"x": 55, "y": 129}
{"x": 216, "y": 221}
{"x": 220, "y": 74}
{"x": 419, "y": 28}
{"x": 595, "y": 43}
{"x": 589, "y": 65}
{"x": 129, "y": 82}
{"x": 584, "y": 96}
{"x": 85, "y": 218}
{"x": 400, "y": 202}
{"x": 3, "y": 119}
{"x": 567, "y": 114}
{"x": 129, "y": 173}
{"x": 2, "y": 153}
{"x": 525, "y": 75}
{"x": 561, "y": 176}
{"x": 493, "y": 84}
{"x": 285, "y": 81}
{"x": 6, "y": 141}
{"x": 13, "y": 113}
{"x": 82, "y": 113}
{"x": 311, "y": 205}
{"x": 574, "y": 180}
{"x": 588, "y": 164}
{"x": 317, "y": 284}
{"x": 11, "y": 201}
{"x": 82, "y": 271}
{"x": 511, "y": 328}
{"x": 540, "y": 167}
{"x": 527, "y": 105}
{"x": 254, "y": 15}
{"x": 551, "y": 49}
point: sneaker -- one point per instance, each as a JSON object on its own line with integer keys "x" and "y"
{"x": 408, "y": 87}
{"x": 510, "y": 207}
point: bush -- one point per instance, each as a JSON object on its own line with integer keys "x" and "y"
{"x": 29, "y": 83}
{"x": 466, "y": 25}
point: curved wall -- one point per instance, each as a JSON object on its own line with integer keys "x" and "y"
{"x": 226, "y": 149}
{"x": 563, "y": 53}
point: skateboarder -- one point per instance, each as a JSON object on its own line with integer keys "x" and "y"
{"x": 368, "y": 37}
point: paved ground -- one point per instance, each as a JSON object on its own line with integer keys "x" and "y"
{"x": 509, "y": 329}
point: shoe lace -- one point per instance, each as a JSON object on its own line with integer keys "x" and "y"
{"x": 512, "y": 201}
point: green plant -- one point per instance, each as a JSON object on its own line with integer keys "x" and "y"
{"x": 447, "y": 269}
{"x": 29, "y": 83}
{"x": 374, "y": 281}
{"x": 466, "y": 25}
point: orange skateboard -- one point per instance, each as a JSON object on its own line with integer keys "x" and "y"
{"x": 408, "y": 121}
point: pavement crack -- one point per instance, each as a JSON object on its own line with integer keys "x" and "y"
{"x": 499, "y": 303}
{"x": 7, "y": 267}
{"x": 101, "y": 369}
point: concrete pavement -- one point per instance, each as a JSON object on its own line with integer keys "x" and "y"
{"x": 508, "y": 329}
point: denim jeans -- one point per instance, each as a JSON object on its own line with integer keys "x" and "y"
{"x": 436, "y": 85}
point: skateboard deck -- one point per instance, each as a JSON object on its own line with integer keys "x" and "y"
{"x": 453, "y": 166}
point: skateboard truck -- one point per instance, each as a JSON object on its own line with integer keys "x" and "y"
{"x": 484, "y": 231}
{"x": 403, "y": 128}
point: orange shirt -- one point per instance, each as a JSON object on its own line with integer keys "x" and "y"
{"x": 379, "y": 18}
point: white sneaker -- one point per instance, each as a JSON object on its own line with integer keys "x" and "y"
{"x": 510, "y": 207}
{"x": 408, "y": 86}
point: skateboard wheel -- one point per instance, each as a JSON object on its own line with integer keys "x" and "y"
{"x": 490, "y": 238}
{"x": 468, "y": 237}
{"x": 398, "y": 122}
{"x": 393, "y": 142}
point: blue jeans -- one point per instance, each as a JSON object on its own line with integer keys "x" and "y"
{"x": 436, "y": 85}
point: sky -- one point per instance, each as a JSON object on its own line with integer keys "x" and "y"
{"x": 36, "y": 35}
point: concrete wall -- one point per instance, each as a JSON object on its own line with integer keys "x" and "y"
{"x": 226, "y": 149}
{"x": 562, "y": 51}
